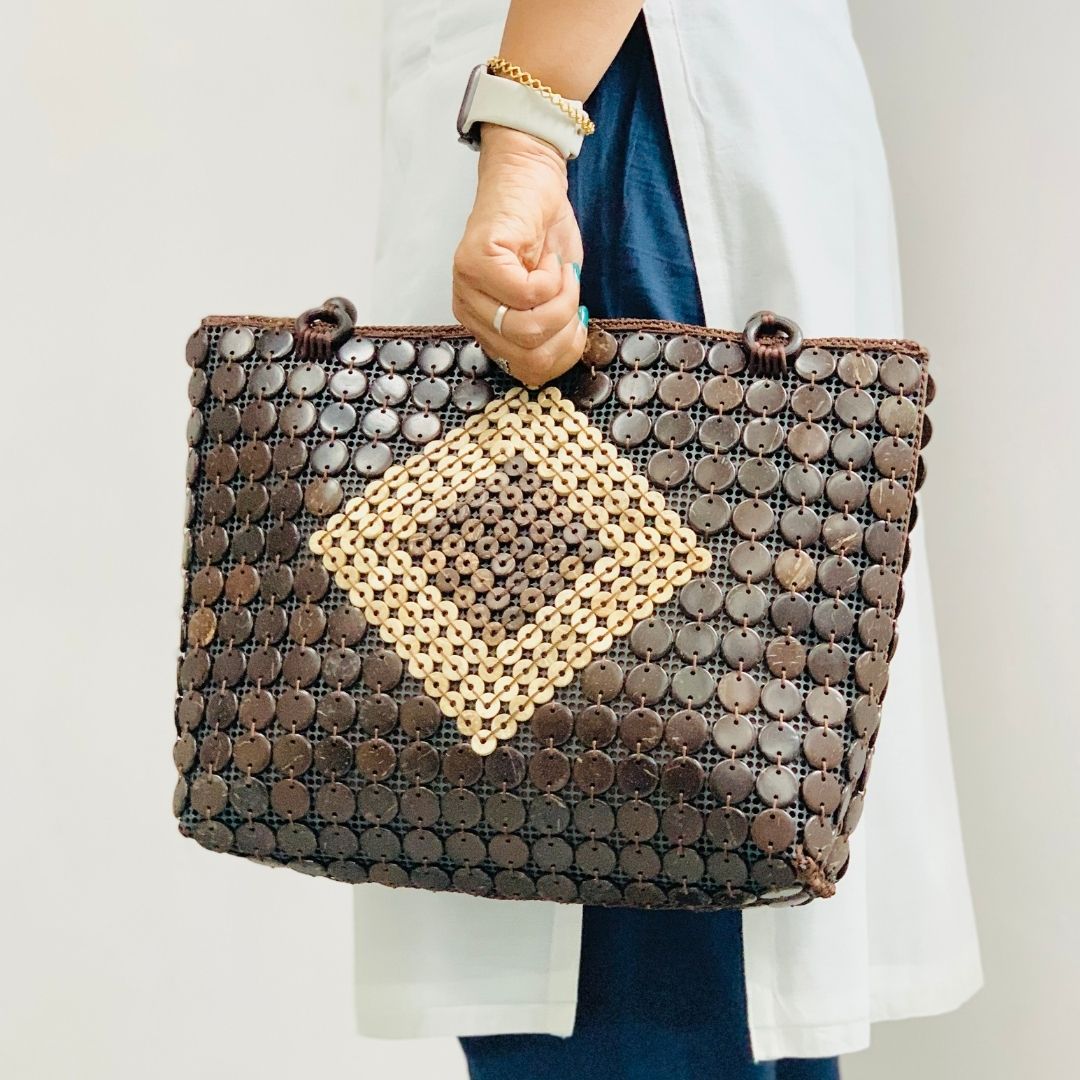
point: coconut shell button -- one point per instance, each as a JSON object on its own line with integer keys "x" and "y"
{"x": 763, "y": 435}
{"x": 596, "y": 725}
{"x": 682, "y": 776}
{"x": 772, "y": 874}
{"x": 865, "y": 717}
{"x": 811, "y": 402}
{"x": 549, "y": 769}
{"x": 857, "y": 368}
{"x": 637, "y": 820}
{"x": 808, "y": 442}
{"x": 646, "y": 684}
{"x": 726, "y": 868}
{"x": 731, "y": 781}
{"x": 833, "y": 619}
{"x": 594, "y": 772}
{"x": 719, "y": 433}
{"x": 779, "y": 742}
{"x": 674, "y": 428}
{"x": 549, "y": 814}
{"x": 746, "y": 604}
{"x": 842, "y": 533}
{"x": 629, "y": 428}
{"x": 828, "y": 663}
{"x": 825, "y": 705}
{"x": 553, "y": 854}
{"x": 419, "y": 762}
{"x": 668, "y": 468}
{"x": 639, "y": 861}
{"x": 785, "y": 657}
{"x": 686, "y": 731}
{"x": 641, "y": 729}
{"x": 506, "y": 767}
{"x": 593, "y": 817}
{"x": 722, "y": 394}
{"x": 758, "y": 476}
{"x": 709, "y": 514}
{"x": 855, "y": 407}
{"x": 419, "y": 806}
{"x": 637, "y": 775}
{"x": 824, "y": 748}
{"x": 692, "y": 686}
{"x": 684, "y": 864}
{"x": 601, "y": 681}
{"x": 803, "y": 483}
{"x": 777, "y": 786}
{"x": 591, "y": 388}
{"x": 822, "y": 792}
{"x": 801, "y": 526}
{"x": 552, "y": 722}
{"x": 714, "y": 473}
{"x": 635, "y": 388}
{"x": 742, "y": 648}
{"x": 684, "y": 352}
{"x": 773, "y": 830}
{"x": 733, "y": 734}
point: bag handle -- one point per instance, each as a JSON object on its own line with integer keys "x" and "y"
{"x": 319, "y": 331}
{"x": 771, "y": 340}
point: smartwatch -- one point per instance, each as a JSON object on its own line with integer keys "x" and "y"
{"x": 495, "y": 100}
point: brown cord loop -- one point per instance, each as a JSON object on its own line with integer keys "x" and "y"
{"x": 809, "y": 872}
{"x": 785, "y": 341}
{"x": 319, "y": 331}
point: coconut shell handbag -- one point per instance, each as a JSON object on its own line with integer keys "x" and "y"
{"x": 621, "y": 639}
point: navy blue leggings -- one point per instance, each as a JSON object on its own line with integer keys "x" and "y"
{"x": 661, "y": 993}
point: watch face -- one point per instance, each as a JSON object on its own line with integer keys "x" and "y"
{"x": 464, "y": 133}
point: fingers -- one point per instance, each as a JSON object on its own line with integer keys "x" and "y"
{"x": 527, "y": 329}
{"x": 524, "y": 255}
{"x": 501, "y": 275}
{"x": 534, "y": 367}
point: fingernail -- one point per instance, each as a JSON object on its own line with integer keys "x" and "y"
{"x": 577, "y": 270}
{"x": 583, "y": 315}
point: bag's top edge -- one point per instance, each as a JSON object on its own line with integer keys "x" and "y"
{"x": 455, "y": 330}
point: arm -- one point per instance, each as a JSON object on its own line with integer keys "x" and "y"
{"x": 521, "y": 245}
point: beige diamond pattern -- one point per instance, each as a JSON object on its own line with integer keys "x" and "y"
{"x": 648, "y": 553}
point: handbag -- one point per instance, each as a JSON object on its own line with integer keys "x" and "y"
{"x": 622, "y": 639}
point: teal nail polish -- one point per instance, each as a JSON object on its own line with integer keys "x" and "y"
{"x": 583, "y": 315}
{"x": 577, "y": 270}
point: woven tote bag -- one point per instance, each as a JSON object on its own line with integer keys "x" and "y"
{"x": 622, "y": 639}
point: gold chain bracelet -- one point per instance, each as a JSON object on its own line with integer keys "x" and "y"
{"x": 498, "y": 66}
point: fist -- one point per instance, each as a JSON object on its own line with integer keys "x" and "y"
{"x": 521, "y": 248}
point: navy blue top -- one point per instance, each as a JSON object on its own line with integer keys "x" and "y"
{"x": 661, "y": 993}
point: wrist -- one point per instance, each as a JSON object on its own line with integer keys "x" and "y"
{"x": 498, "y": 142}
{"x": 495, "y": 139}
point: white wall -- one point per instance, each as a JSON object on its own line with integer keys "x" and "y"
{"x": 162, "y": 160}
{"x": 980, "y": 108}
{"x": 165, "y": 160}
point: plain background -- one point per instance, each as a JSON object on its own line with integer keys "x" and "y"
{"x": 162, "y": 161}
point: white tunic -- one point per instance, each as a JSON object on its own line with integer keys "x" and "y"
{"x": 788, "y": 205}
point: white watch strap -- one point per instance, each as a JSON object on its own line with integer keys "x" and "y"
{"x": 513, "y": 105}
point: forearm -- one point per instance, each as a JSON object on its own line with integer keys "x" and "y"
{"x": 567, "y": 44}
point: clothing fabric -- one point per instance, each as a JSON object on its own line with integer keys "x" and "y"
{"x": 661, "y": 994}
{"x": 787, "y": 203}
{"x": 662, "y": 998}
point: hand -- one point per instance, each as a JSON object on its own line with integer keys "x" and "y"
{"x": 520, "y": 227}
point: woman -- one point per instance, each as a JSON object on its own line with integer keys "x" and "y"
{"x": 736, "y": 166}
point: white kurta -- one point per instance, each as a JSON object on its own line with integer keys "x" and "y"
{"x": 788, "y": 205}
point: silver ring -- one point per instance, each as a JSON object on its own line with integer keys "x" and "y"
{"x": 500, "y": 314}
